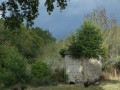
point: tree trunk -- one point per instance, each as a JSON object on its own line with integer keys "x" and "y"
{"x": 115, "y": 73}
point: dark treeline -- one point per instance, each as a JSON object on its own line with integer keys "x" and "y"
{"x": 28, "y": 42}
{"x": 20, "y": 49}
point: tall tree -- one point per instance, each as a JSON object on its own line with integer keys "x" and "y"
{"x": 25, "y": 10}
{"x": 87, "y": 41}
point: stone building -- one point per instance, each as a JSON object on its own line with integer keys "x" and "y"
{"x": 82, "y": 70}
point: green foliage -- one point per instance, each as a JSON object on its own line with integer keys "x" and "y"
{"x": 43, "y": 82}
{"x": 18, "y": 45}
{"x": 29, "y": 43}
{"x": 105, "y": 51}
{"x": 59, "y": 76}
{"x": 51, "y": 55}
{"x": 7, "y": 77}
{"x": 45, "y": 34}
{"x": 16, "y": 64}
{"x": 50, "y": 5}
{"x": 23, "y": 11}
{"x": 112, "y": 38}
{"x": 20, "y": 10}
{"x": 40, "y": 73}
{"x": 2, "y": 56}
{"x": 14, "y": 69}
{"x": 87, "y": 41}
{"x": 40, "y": 70}
{"x": 62, "y": 52}
{"x": 113, "y": 63}
{"x": 118, "y": 63}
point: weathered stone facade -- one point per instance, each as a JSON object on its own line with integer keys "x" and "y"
{"x": 81, "y": 70}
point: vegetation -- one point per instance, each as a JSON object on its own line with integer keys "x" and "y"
{"x": 111, "y": 35}
{"x": 13, "y": 67}
{"x": 62, "y": 52}
{"x": 46, "y": 35}
{"x": 33, "y": 56}
{"x": 106, "y": 85}
{"x": 23, "y": 11}
{"x": 40, "y": 71}
{"x": 87, "y": 42}
{"x": 20, "y": 49}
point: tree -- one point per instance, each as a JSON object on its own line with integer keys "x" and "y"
{"x": 28, "y": 43}
{"x": 12, "y": 66}
{"x": 25, "y": 10}
{"x": 87, "y": 41}
{"x": 40, "y": 69}
{"x": 45, "y": 34}
{"x": 99, "y": 16}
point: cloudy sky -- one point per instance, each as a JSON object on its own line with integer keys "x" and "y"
{"x": 61, "y": 24}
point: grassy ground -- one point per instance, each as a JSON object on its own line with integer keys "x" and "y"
{"x": 105, "y": 85}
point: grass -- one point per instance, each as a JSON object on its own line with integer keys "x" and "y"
{"x": 105, "y": 85}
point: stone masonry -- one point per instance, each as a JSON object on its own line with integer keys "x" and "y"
{"x": 82, "y": 70}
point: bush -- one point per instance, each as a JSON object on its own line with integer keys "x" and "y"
{"x": 117, "y": 63}
{"x": 3, "y": 56}
{"x": 59, "y": 76}
{"x": 7, "y": 78}
{"x": 14, "y": 69}
{"x": 40, "y": 72}
{"x": 16, "y": 64}
{"x": 41, "y": 82}
{"x": 87, "y": 41}
{"x": 62, "y": 52}
{"x": 105, "y": 51}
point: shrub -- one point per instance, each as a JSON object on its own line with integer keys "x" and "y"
{"x": 62, "y": 52}
{"x": 105, "y": 51}
{"x": 7, "y": 78}
{"x": 59, "y": 76}
{"x": 16, "y": 64}
{"x": 117, "y": 63}
{"x": 87, "y": 41}
{"x": 40, "y": 72}
{"x": 14, "y": 69}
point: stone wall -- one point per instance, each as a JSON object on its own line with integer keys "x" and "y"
{"x": 81, "y": 70}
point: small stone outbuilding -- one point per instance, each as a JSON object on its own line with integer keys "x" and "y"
{"x": 82, "y": 69}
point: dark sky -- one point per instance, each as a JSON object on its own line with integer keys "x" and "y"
{"x": 61, "y": 24}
